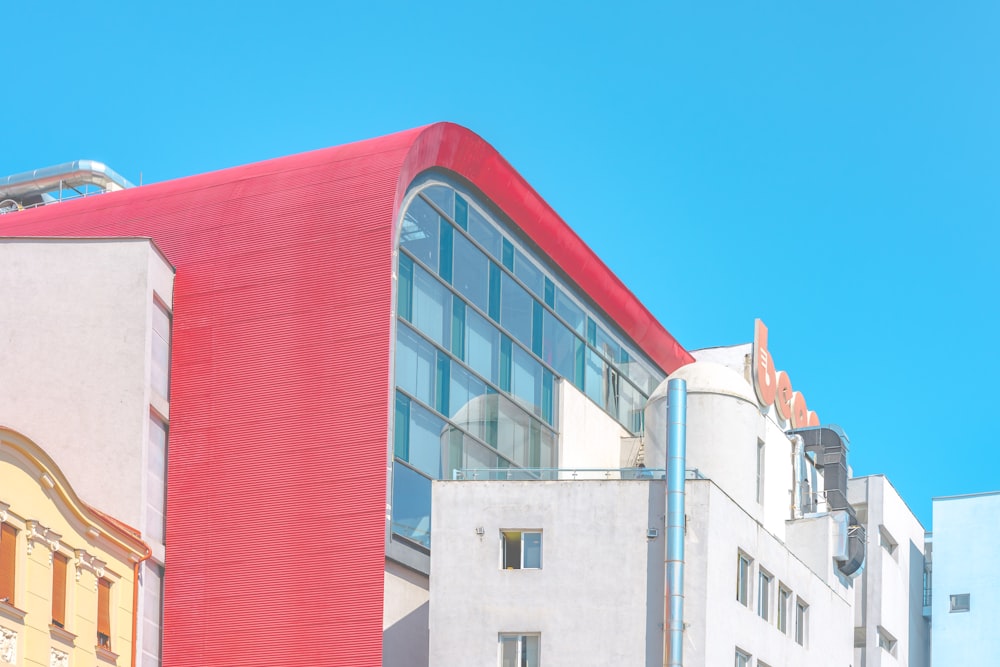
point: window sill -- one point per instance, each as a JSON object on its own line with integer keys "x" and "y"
{"x": 106, "y": 655}
{"x": 12, "y": 612}
{"x": 62, "y": 635}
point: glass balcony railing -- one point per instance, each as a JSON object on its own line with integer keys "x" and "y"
{"x": 565, "y": 474}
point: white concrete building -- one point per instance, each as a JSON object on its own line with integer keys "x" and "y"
{"x": 770, "y": 551}
{"x": 84, "y": 369}
{"x": 891, "y": 626}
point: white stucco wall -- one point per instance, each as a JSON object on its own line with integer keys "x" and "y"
{"x": 598, "y": 598}
{"x": 966, "y": 553}
{"x": 405, "y": 616}
{"x": 717, "y": 624}
{"x": 889, "y": 591}
{"x": 588, "y": 437}
{"x": 75, "y": 321}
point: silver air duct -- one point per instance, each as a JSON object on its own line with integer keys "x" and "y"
{"x": 676, "y": 467}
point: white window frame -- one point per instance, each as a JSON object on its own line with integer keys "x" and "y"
{"x": 765, "y": 586}
{"x": 521, "y": 541}
{"x": 744, "y": 578}
{"x": 801, "y": 622}
{"x": 743, "y": 659}
{"x": 784, "y": 601}
{"x": 886, "y": 641}
{"x": 959, "y": 603}
{"x": 520, "y": 637}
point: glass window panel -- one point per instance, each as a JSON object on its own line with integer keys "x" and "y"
{"x": 505, "y": 361}
{"x": 550, "y": 293}
{"x": 458, "y": 328}
{"x": 515, "y": 310}
{"x": 411, "y": 504}
{"x": 527, "y": 380}
{"x": 529, "y": 274}
{"x": 547, "y": 449}
{"x": 472, "y": 274}
{"x": 484, "y": 232}
{"x": 431, "y": 306}
{"x": 494, "y": 311}
{"x": 559, "y": 346}
{"x": 156, "y": 469}
{"x": 461, "y": 212}
{"x": 443, "y": 383}
{"x": 607, "y": 345}
{"x": 508, "y": 255}
{"x": 415, "y": 359}
{"x": 569, "y": 311}
{"x": 426, "y": 429}
{"x": 595, "y": 377}
{"x": 532, "y": 550}
{"x": 442, "y": 196}
{"x": 482, "y": 342}
{"x": 466, "y": 407}
{"x": 405, "y": 294}
{"x": 447, "y": 239}
{"x": 536, "y": 327}
{"x": 630, "y": 407}
{"x": 160, "y": 361}
{"x": 529, "y": 651}
{"x": 420, "y": 232}
{"x": 509, "y": 651}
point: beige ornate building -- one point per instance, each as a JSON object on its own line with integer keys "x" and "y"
{"x": 68, "y": 583}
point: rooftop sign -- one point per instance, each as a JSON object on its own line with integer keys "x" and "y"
{"x": 775, "y": 387}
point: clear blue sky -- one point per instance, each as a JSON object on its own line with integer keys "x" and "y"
{"x": 831, "y": 168}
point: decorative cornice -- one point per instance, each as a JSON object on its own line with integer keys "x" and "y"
{"x": 8, "y": 646}
{"x": 39, "y": 533}
{"x": 86, "y": 561}
{"x": 58, "y": 658}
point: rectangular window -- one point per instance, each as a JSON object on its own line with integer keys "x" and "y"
{"x": 8, "y": 556}
{"x": 156, "y": 479}
{"x": 959, "y": 602}
{"x": 104, "y": 614}
{"x": 160, "y": 353}
{"x": 519, "y": 650}
{"x": 764, "y": 582}
{"x": 743, "y": 579}
{"x": 522, "y": 550}
{"x": 152, "y": 614}
{"x": 886, "y": 541}
{"x": 420, "y": 233}
{"x": 886, "y": 641}
{"x": 784, "y": 602}
{"x": 760, "y": 471}
{"x": 801, "y": 622}
{"x": 59, "y": 590}
{"x": 742, "y": 658}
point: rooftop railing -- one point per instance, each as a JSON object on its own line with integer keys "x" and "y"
{"x": 565, "y": 474}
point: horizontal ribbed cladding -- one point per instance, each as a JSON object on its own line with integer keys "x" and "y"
{"x": 280, "y": 382}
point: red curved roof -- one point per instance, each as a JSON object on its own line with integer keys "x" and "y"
{"x": 280, "y": 379}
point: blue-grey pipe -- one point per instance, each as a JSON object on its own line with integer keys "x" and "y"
{"x": 676, "y": 466}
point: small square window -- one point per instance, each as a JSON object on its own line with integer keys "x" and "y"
{"x": 522, "y": 549}
{"x": 886, "y": 541}
{"x": 959, "y": 602}
{"x": 519, "y": 650}
{"x": 886, "y": 641}
{"x": 742, "y": 658}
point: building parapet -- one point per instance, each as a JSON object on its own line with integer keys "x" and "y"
{"x": 566, "y": 474}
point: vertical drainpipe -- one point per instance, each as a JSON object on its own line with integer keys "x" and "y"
{"x": 798, "y": 454}
{"x": 676, "y": 466}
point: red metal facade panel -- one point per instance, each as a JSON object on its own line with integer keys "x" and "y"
{"x": 281, "y": 376}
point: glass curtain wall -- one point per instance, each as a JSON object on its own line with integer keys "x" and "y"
{"x": 484, "y": 329}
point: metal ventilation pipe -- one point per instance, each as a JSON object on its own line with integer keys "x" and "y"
{"x": 798, "y": 463}
{"x": 62, "y": 176}
{"x": 676, "y": 469}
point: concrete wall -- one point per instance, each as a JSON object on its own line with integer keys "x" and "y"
{"x": 589, "y": 437}
{"x": 598, "y": 598}
{"x": 889, "y": 594}
{"x": 75, "y": 321}
{"x": 966, "y": 553}
{"x": 718, "y": 529}
{"x": 405, "y": 616}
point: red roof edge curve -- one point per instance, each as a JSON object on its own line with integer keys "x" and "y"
{"x": 457, "y": 149}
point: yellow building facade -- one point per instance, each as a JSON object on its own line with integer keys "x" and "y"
{"x": 68, "y": 583}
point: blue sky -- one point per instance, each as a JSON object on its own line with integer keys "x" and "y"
{"x": 831, "y": 168}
